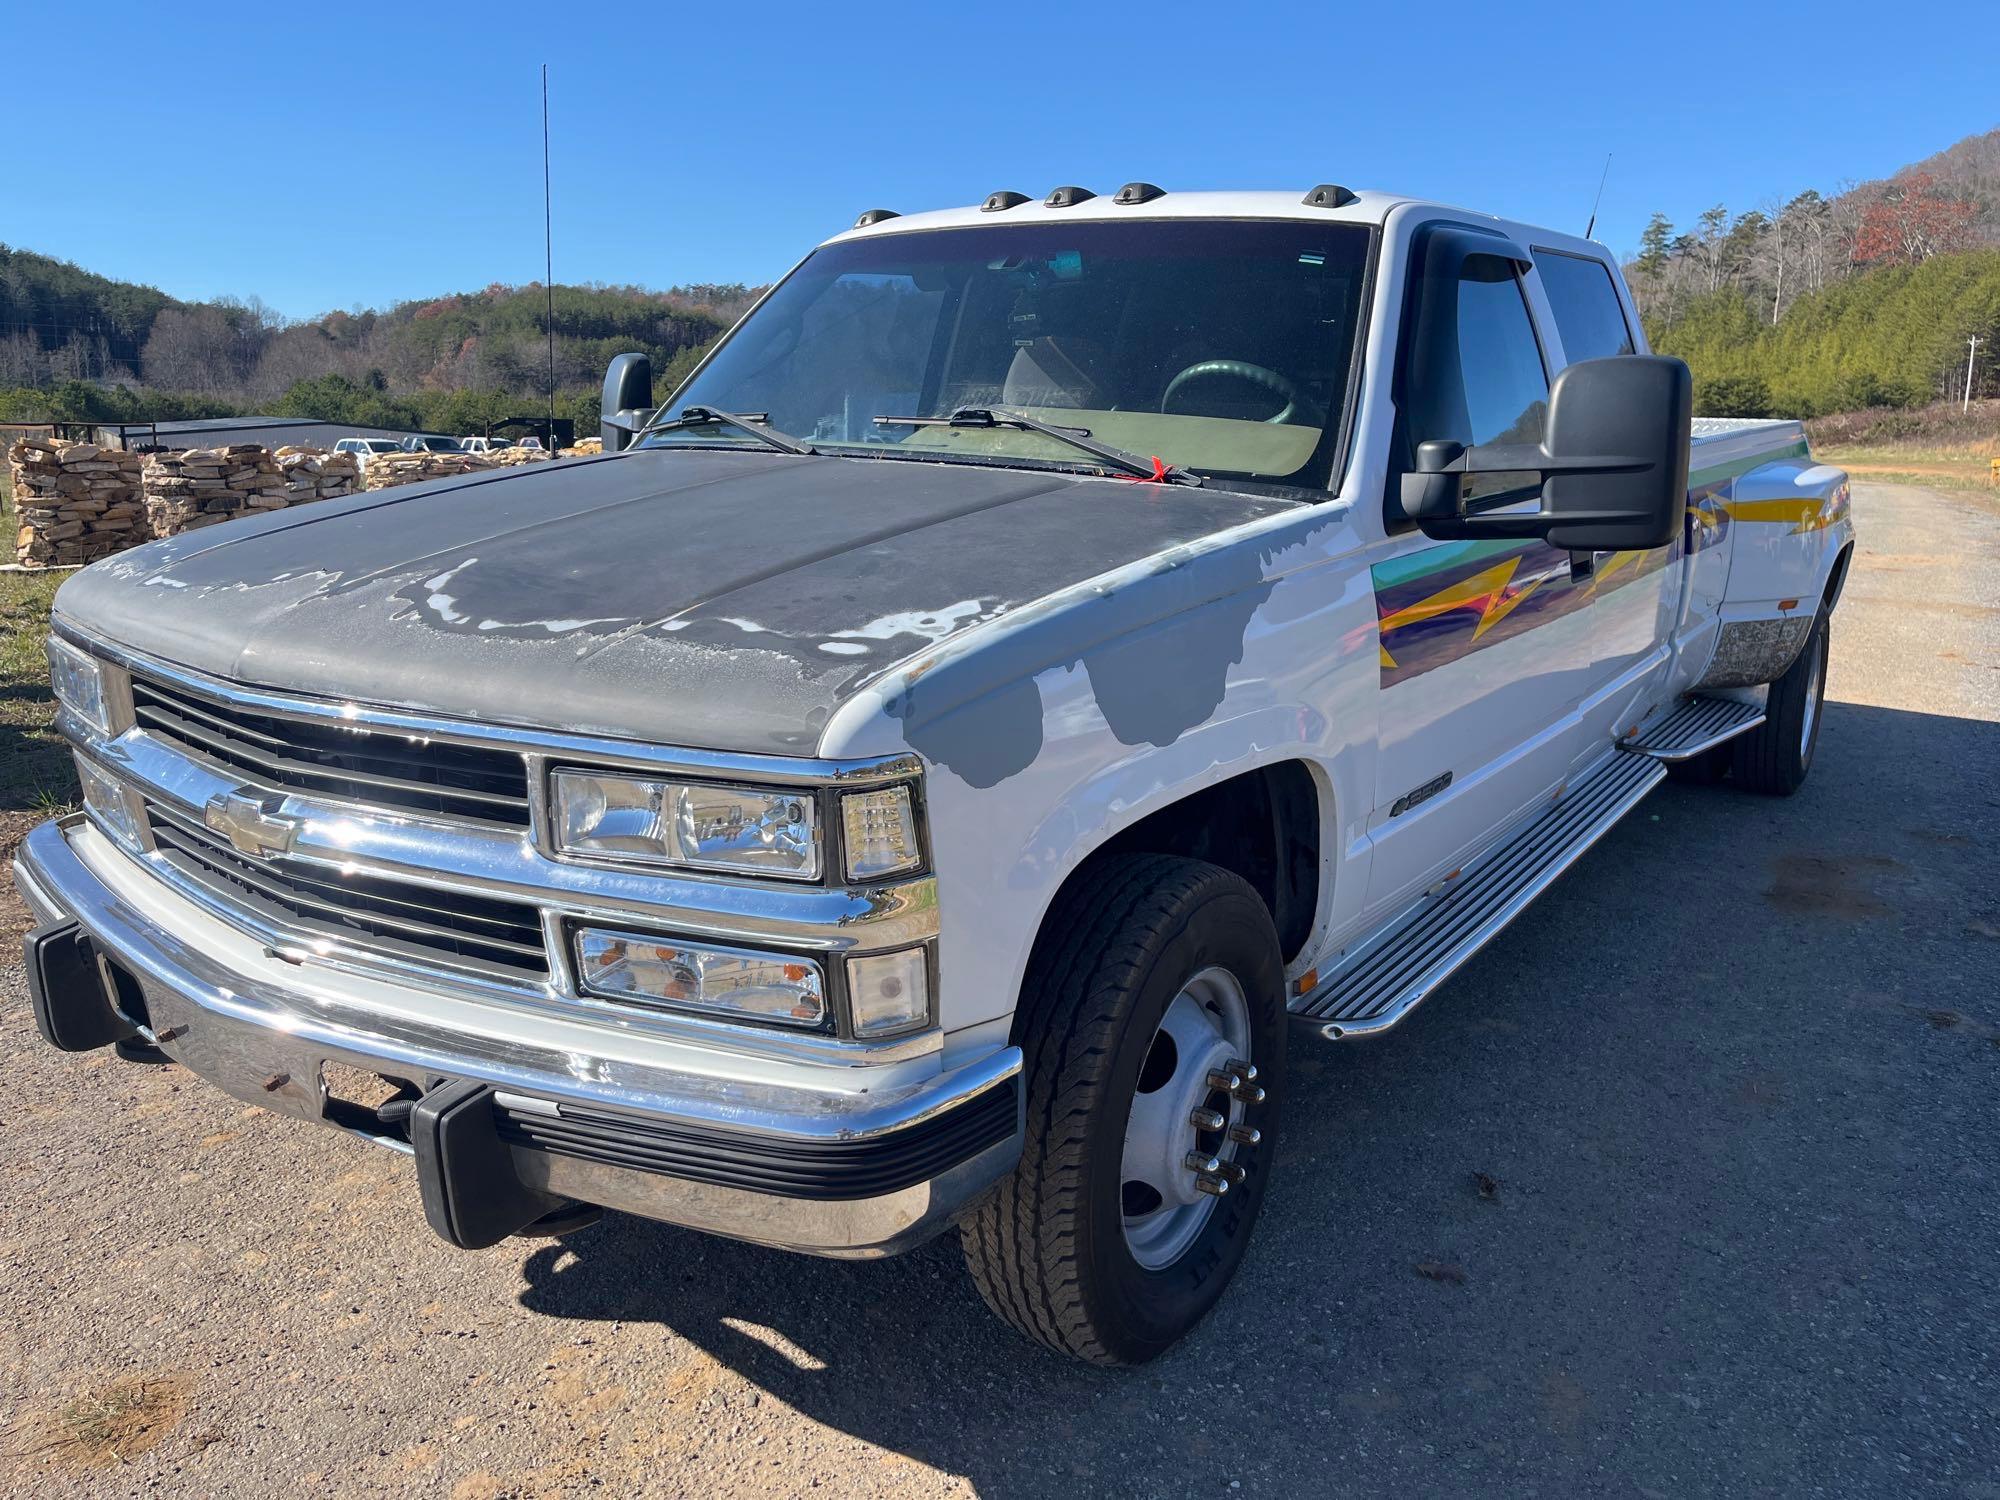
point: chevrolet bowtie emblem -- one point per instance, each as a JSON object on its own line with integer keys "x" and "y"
{"x": 250, "y": 823}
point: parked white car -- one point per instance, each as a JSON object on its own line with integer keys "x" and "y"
{"x": 1048, "y": 661}
{"x": 363, "y": 448}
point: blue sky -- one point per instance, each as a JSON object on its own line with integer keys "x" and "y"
{"x": 691, "y": 148}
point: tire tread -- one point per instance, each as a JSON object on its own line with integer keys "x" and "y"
{"x": 1021, "y": 1243}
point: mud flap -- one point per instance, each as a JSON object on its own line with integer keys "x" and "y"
{"x": 472, "y": 1195}
{"x": 73, "y": 1012}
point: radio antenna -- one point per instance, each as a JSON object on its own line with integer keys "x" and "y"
{"x": 549, "y": 256}
{"x": 1592, "y": 225}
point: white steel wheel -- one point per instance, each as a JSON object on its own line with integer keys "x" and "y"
{"x": 1179, "y": 1158}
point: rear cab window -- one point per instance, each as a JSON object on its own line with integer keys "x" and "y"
{"x": 1590, "y": 318}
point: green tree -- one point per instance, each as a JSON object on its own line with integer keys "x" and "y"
{"x": 1653, "y": 246}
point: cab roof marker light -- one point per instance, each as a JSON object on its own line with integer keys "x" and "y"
{"x": 1000, "y": 202}
{"x": 1330, "y": 195}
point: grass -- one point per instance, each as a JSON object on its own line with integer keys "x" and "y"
{"x": 1938, "y": 445}
{"x": 1899, "y": 463}
{"x": 36, "y": 776}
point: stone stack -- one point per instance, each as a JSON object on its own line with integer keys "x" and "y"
{"x": 508, "y": 458}
{"x": 314, "y": 474}
{"x": 588, "y": 447}
{"x": 387, "y": 470}
{"x": 206, "y": 486}
{"x": 74, "y": 502}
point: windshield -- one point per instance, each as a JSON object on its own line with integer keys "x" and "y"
{"x": 382, "y": 445}
{"x": 1220, "y": 346}
{"x": 441, "y": 445}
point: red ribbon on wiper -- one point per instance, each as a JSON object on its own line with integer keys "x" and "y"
{"x": 1158, "y": 476}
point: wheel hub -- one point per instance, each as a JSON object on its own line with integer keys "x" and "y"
{"x": 1187, "y": 1122}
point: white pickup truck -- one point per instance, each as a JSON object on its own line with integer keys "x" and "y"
{"x": 1050, "y": 658}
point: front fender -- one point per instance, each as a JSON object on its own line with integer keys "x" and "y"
{"x": 1047, "y": 766}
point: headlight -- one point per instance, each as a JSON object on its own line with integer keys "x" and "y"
{"x": 888, "y": 992}
{"x": 78, "y": 683}
{"x": 881, "y": 829}
{"x": 699, "y": 825}
{"x": 686, "y": 976}
{"x": 109, "y": 802}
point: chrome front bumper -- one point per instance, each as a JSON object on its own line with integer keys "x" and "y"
{"x": 850, "y": 1162}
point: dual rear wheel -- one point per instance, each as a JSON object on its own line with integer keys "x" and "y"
{"x": 1775, "y": 757}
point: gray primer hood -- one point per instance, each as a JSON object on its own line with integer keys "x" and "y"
{"x": 719, "y": 600}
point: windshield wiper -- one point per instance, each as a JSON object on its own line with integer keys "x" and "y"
{"x": 1076, "y": 437}
{"x": 750, "y": 422}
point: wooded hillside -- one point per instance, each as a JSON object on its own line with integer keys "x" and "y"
{"x": 1865, "y": 297}
{"x": 74, "y": 344}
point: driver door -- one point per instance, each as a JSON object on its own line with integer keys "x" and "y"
{"x": 1485, "y": 645}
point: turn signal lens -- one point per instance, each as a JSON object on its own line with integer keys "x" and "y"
{"x": 731, "y": 982}
{"x": 881, "y": 829}
{"x": 888, "y": 992}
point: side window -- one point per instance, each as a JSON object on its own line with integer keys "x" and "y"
{"x": 1589, "y": 316}
{"x": 1476, "y": 371}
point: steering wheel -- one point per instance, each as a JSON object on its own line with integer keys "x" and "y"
{"x": 1238, "y": 369}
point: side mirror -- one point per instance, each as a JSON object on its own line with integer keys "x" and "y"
{"x": 628, "y": 400}
{"x": 1614, "y": 463}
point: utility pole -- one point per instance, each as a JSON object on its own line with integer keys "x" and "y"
{"x": 1971, "y": 347}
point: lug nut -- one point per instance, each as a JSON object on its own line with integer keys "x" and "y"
{"x": 1208, "y": 1119}
{"x": 1222, "y": 1078}
{"x": 1250, "y": 1093}
{"x": 1246, "y": 1135}
{"x": 1201, "y": 1162}
{"x": 1215, "y": 1187}
{"x": 1233, "y": 1173}
{"x": 1246, "y": 1071}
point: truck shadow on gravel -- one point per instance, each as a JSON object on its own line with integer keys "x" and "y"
{"x": 1647, "y": 1156}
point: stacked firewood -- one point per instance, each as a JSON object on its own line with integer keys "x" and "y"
{"x": 73, "y": 502}
{"x": 588, "y": 447}
{"x": 206, "y": 486}
{"x": 314, "y": 474}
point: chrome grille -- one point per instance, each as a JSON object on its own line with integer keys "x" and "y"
{"x": 380, "y": 767}
{"x": 397, "y": 918}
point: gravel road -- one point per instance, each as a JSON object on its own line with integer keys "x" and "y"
{"x": 1700, "y": 1158}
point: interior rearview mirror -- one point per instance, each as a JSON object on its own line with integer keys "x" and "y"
{"x": 628, "y": 400}
{"x": 1613, "y": 465}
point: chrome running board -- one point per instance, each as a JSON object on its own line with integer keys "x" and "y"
{"x": 1698, "y": 725}
{"x": 1381, "y": 979}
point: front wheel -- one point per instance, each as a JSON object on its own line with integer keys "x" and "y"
{"x": 1774, "y": 757}
{"x": 1153, "y": 1040}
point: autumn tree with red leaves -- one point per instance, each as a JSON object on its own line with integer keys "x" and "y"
{"x": 1912, "y": 221}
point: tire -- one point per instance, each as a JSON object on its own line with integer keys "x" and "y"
{"x": 1051, "y": 1248}
{"x": 1774, "y": 757}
